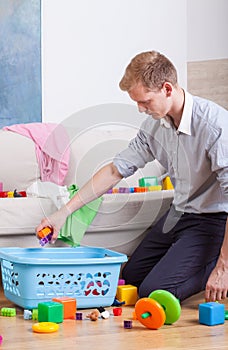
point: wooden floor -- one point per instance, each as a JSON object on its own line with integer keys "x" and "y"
{"x": 110, "y": 334}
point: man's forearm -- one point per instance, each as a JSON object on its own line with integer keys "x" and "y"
{"x": 223, "y": 257}
{"x": 100, "y": 183}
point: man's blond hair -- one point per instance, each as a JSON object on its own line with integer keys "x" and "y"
{"x": 151, "y": 69}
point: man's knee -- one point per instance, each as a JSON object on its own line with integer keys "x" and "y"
{"x": 145, "y": 289}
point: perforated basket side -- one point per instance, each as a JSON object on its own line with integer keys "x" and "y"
{"x": 91, "y": 285}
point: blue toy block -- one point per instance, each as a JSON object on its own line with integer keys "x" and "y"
{"x": 211, "y": 313}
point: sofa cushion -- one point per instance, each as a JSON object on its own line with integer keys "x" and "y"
{"x": 19, "y": 167}
{"x": 95, "y": 147}
{"x": 22, "y": 215}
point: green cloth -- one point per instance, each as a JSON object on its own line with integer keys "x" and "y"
{"x": 77, "y": 223}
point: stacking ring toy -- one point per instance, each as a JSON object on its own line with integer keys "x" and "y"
{"x": 150, "y": 313}
{"x": 169, "y": 303}
{"x": 45, "y": 327}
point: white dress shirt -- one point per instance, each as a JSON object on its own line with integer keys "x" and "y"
{"x": 195, "y": 155}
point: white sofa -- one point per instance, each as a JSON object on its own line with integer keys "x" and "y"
{"x": 122, "y": 218}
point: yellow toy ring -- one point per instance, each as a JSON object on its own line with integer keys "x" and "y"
{"x": 45, "y": 327}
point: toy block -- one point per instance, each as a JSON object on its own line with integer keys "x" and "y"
{"x": 127, "y": 324}
{"x": 117, "y": 311}
{"x": 124, "y": 190}
{"x": 45, "y": 240}
{"x": 148, "y": 181}
{"x": 117, "y": 302}
{"x": 50, "y": 311}
{"x": 140, "y": 189}
{"x": 69, "y": 306}
{"x": 79, "y": 316}
{"x": 104, "y": 313}
{"x": 211, "y": 313}
{"x": 27, "y": 314}
{"x": 167, "y": 184}
{"x": 44, "y": 232}
{"x": 154, "y": 188}
{"x": 127, "y": 293}
{"x": 226, "y": 315}
{"x": 121, "y": 282}
{"x": 8, "y": 311}
{"x": 35, "y": 314}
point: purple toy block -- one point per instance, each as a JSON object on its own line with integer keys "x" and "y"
{"x": 127, "y": 324}
{"x": 43, "y": 241}
{"x": 78, "y": 316}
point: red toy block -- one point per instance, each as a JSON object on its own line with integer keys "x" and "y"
{"x": 117, "y": 311}
{"x": 69, "y": 306}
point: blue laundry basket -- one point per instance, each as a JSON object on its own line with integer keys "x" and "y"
{"x": 34, "y": 275}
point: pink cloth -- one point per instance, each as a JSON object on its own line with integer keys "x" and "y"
{"x": 52, "y": 148}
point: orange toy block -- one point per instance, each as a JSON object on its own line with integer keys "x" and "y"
{"x": 127, "y": 293}
{"x": 44, "y": 232}
{"x": 69, "y": 306}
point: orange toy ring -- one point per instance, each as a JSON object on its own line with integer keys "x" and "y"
{"x": 150, "y": 313}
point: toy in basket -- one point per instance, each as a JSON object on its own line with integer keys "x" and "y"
{"x": 34, "y": 275}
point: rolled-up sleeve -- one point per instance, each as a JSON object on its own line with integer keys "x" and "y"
{"x": 135, "y": 156}
{"x": 219, "y": 161}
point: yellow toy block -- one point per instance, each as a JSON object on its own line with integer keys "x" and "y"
{"x": 154, "y": 188}
{"x": 127, "y": 293}
{"x": 167, "y": 184}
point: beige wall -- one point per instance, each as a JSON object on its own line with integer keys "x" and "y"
{"x": 209, "y": 79}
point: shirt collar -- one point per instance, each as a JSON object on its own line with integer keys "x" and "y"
{"x": 165, "y": 121}
{"x": 185, "y": 124}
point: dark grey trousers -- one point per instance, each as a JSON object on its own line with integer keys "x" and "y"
{"x": 179, "y": 260}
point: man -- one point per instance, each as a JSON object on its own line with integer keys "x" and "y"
{"x": 186, "y": 251}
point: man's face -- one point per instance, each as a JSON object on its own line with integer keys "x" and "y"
{"x": 152, "y": 102}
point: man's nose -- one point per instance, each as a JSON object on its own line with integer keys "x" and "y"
{"x": 141, "y": 108}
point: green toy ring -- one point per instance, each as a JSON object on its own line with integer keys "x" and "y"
{"x": 170, "y": 304}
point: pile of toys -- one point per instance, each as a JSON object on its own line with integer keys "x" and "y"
{"x": 161, "y": 307}
{"x": 145, "y": 184}
{"x": 12, "y": 194}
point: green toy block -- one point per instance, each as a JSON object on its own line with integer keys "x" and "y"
{"x": 148, "y": 181}
{"x": 50, "y": 311}
{"x": 35, "y": 314}
{"x": 8, "y": 311}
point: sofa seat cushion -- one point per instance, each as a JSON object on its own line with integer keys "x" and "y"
{"x": 22, "y": 215}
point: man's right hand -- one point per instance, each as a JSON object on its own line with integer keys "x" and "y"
{"x": 55, "y": 222}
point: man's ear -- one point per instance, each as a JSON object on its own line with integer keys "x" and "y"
{"x": 168, "y": 88}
